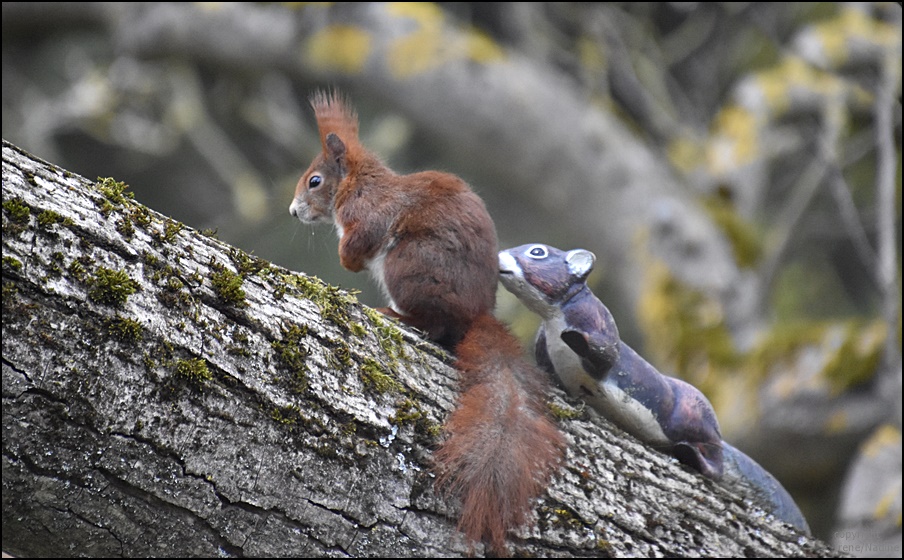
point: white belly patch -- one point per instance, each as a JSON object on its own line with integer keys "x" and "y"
{"x": 605, "y": 396}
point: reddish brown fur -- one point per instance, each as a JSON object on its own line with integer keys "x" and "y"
{"x": 501, "y": 447}
{"x": 335, "y": 115}
{"x": 432, "y": 245}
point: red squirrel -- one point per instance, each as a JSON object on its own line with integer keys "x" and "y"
{"x": 430, "y": 243}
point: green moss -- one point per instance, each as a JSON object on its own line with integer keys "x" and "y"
{"x": 228, "y": 286}
{"x": 160, "y": 273}
{"x": 341, "y": 353}
{"x": 377, "y": 318}
{"x": 246, "y": 264}
{"x": 279, "y": 291}
{"x": 49, "y": 218}
{"x": 407, "y": 412}
{"x": 125, "y": 228}
{"x": 389, "y": 336}
{"x": 106, "y": 207}
{"x": 357, "y": 329}
{"x": 125, "y": 329}
{"x": 292, "y": 354}
{"x": 170, "y": 230}
{"x": 12, "y": 263}
{"x": 565, "y": 517}
{"x": 237, "y": 350}
{"x": 150, "y": 259}
{"x": 18, "y": 214}
{"x": 111, "y": 287}
{"x": 140, "y": 216}
{"x": 333, "y": 302}
{"x": 410, "y": 412}
{"x": 565, "y": 413}
{"x": 149, "y": 362}
{"x": 375, "y": 377}
{"x": 77, "y": 268}
{"x": 350, "y": 428}
{"x": 391, "y": 341}
{"x": 287, "y": 415}
{"x": 17, "y": 210}
{"x": 605, "y": 547}
{"x": 54, "y": 270}
{"x": 114, "y": 191}
{"x": 194, "y": 370}
{"x": 174, "y": 292}
{"x": 326, "y": 451}
{"x": 211, "y": 233}
{"x": 9, "y": 293}
{"x": 174, "y": 284}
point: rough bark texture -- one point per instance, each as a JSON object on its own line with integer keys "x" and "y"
{"x": 165, "y": 394}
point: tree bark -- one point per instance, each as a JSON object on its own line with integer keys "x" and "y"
{"x": 165, "y": 394}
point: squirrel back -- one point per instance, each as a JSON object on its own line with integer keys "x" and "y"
{"x": 430, "y": 244}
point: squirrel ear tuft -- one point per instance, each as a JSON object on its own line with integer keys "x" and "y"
{"x": 580, "y": 262}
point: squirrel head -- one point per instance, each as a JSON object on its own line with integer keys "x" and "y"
{"x": 316, "y": 190}
{"x": 341, "y": 153}
{"x": 544, "y": 277}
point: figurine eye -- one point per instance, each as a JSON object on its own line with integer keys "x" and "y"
{"x": 538, "y": 252}
{"x": 315, "y": 181}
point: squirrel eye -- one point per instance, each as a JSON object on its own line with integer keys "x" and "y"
{"x": 315, "y": 181}
{"x": 538, "y": 252}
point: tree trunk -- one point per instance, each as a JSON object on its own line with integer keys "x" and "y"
{"x": 165, "y": 394}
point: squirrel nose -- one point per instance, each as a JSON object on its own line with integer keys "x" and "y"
{"x": 293, "y": 211}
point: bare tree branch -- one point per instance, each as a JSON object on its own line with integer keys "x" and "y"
{"x": 886, "y": 265}
{"x": 166, "y": 394}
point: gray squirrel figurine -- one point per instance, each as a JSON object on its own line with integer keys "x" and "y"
{"x": 578, "y": 342}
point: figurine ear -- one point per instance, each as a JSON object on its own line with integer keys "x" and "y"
{"x": 580, "y": 262}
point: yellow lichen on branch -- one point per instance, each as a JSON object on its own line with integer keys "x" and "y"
{"x": 339, "y": 47}
{"x": 826, "y": 357}
{"x": 430, "y": 45}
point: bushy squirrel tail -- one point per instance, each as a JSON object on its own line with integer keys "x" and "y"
{"x": 501, "y": 447}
